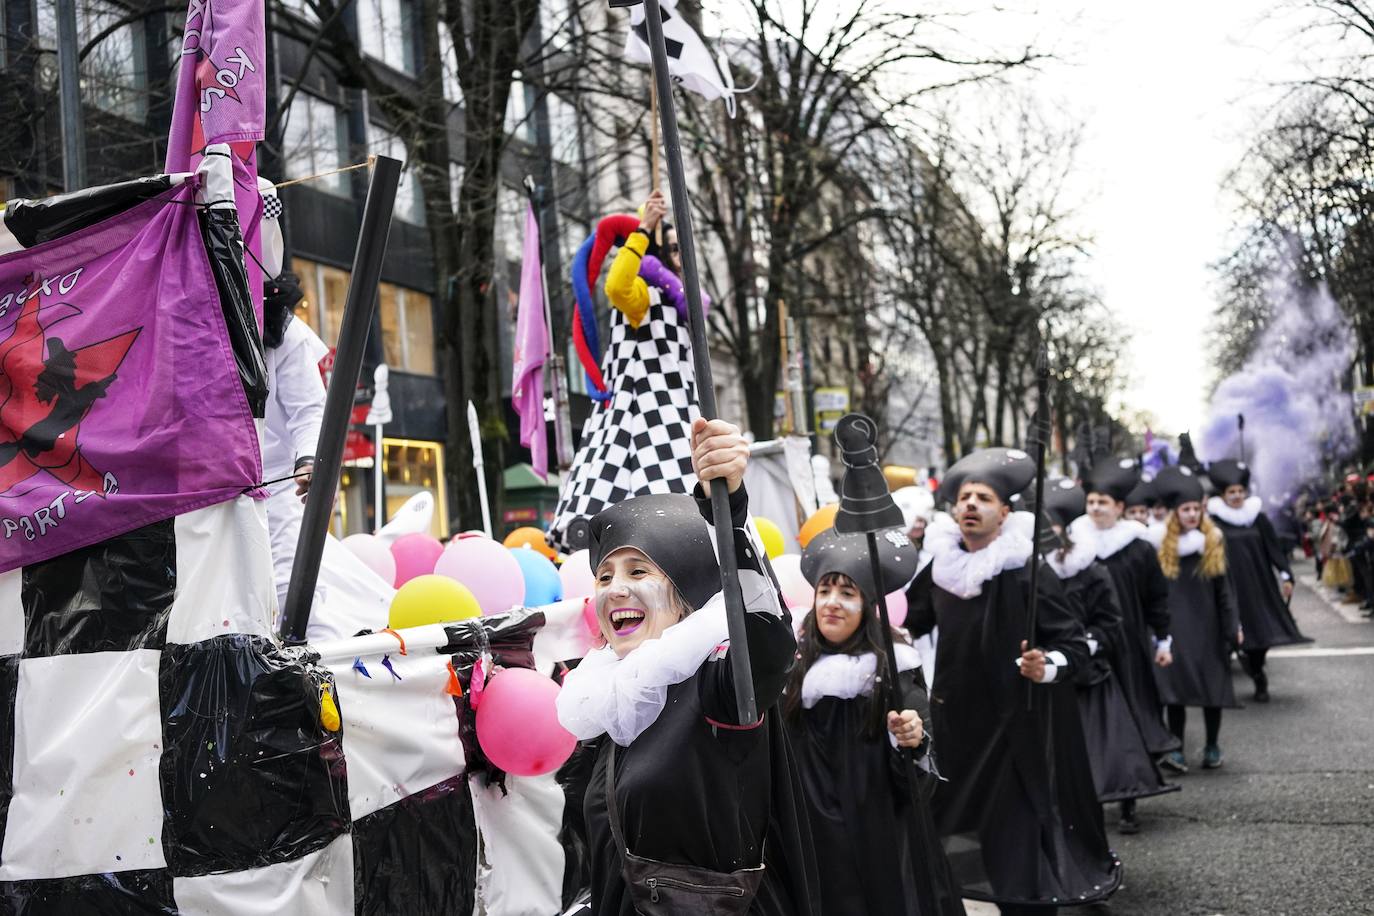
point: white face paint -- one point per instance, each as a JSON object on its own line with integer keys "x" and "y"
{"x": 1189, "y": 515}
{"x": 1235, "y": 496}
{"x": 634, "y": 600}
{"x": 839, "y": 608}
{"x": 1103, "y": 510}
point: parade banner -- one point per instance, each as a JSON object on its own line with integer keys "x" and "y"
{"x": 120, "y": 402}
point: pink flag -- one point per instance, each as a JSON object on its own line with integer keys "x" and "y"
{"x": 221, "y": 86}
{"x": 221, "y": 97}
{"x": 531, "y": 350}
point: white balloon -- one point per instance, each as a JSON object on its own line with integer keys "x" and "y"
{"x": 414, "y": 517}
{"x": 374, "y": 554}
{"x": 796, "y": 591}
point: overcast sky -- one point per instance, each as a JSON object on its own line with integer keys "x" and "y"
{"x": 1170, "y": 92}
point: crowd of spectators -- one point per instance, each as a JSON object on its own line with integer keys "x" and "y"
{"x": 1338, "y": 533}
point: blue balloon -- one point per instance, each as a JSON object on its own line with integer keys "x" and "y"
{"x": 542, "y": 583}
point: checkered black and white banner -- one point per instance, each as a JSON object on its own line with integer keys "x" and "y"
{"x": 159, "y": 753}
{"x": 640, "y": 441}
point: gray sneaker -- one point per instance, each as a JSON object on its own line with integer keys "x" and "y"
{"x": 1211, "y": 757}
{"x": 1175, "y": 762}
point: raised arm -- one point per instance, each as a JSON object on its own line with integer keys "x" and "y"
{"x": 719, "y": 451}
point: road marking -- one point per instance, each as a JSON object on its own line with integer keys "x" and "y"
{"x": 1318, "y": 652}
{"x": 1350, "y": 613}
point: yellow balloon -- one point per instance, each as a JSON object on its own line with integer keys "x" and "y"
{"x": 771, "y": 535}
{"x": 823, "y": 519}
{"x": 432, "y": 599}
{"x": 530, "y": 537}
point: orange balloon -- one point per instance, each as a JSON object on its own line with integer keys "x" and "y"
{"x": 823, "y": 519}
{"x": 530, "y": 537}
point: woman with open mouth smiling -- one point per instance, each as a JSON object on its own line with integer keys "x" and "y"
{"x": 686, "y": 810}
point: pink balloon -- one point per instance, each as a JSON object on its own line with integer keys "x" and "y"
{"x": 489, "y": 571}
{"x": 796, "y": 591}
{"x": 415, "y": 555}
{"x": 896, "y": 608}
{"x": 576, "y": 573}
{"x": 374, "y": 554}
{"x": 589, "y": 618}
{"x": 517, "y": 723}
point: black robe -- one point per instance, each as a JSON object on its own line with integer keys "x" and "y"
{"x": 857, "y": 796}
{"x": 695, "y": 789}
{"x": 1019, "y": 814}
{"x": 1252, "y": 553}
{"x": 1143, "y": 593}
{"x": 1122, "y": 765}
{"x": 1205, "y": 622}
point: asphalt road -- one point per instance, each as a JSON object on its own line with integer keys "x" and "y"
{"x": 1286, "y": 826}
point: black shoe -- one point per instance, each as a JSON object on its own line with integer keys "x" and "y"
{"x": 1129, "y": 825}
{"x": 1261, "y": 688}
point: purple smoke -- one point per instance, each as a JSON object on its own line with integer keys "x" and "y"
{"x": 1298, "y": 416}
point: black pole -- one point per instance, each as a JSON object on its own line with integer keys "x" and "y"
{"x": 1240, "y": 424}
{"x": 359, "y": 307}
{"x": 746, "y": 708}
{"x": 933, "y": 880}
{"x": 1041, "y": 425}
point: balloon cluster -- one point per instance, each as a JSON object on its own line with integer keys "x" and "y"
{"x": 472, "y": 576}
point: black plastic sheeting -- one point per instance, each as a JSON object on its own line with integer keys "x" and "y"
{"x": 509, "y": 638}
{"x": 112, "y": 596}
{"x": 418, "y": 855}
{"x": 249, "y": 775}
{"x": 224, "y": 245}
{"x": 124, "y": 893}
{"x": 33, "y": 222}
{"x": 9, "y": 690}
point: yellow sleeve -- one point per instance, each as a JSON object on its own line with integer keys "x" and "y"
{"x": 624, "y": 287}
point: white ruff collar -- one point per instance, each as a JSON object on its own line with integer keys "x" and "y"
{"x": 848, "y": 676}
{"x": 1191, "y": 542}
{"x": 1155, "y": 534}
{"x": 963, "y": 573}
{"x": 1113, "y": 539}
{"x": 622, "y": 697}
{"x": 1082, "y": 555}
{"x": 1243, "y": 517}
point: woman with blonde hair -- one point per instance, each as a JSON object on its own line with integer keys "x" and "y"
{"x": 1206, "y": 625}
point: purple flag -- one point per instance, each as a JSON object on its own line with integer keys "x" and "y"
{"x": 221, "y": 87}
{"x": 531, "y": 350}
{"x": 221, "y": 97}
{"x": 120, "y": 402}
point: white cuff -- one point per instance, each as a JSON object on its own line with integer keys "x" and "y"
{"x": 1287, "y": 577}
{"x": 1053, "y": 662}
{"x": 1092, "y": 646}
{"x": 1167, "y": 643}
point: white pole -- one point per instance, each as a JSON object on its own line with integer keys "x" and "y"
{"x": 380, "y": 511}
{"x": 477, "y": 465}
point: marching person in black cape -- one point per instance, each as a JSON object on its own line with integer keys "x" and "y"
{"x": 1141, "y": 591}
{"x": 1123, "y": 768}
{"x": 1019, "y": 814}
{"x": 843, "y": 736}
{"x": 1253, "y": 556}
{"x": 686, "y": 810}
{"x": 1193, "y": 557}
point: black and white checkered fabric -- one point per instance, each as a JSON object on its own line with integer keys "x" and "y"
{"x": 160, "y": 753}
{"x": 639, "y": 442}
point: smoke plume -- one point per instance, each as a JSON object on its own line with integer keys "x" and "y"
{"x": 1298, "y": 416}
